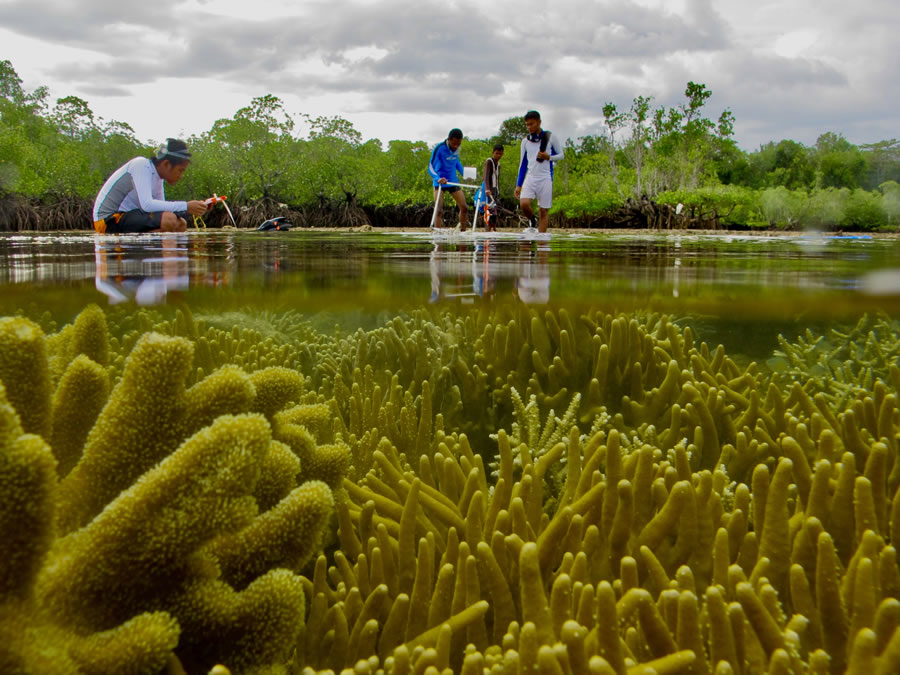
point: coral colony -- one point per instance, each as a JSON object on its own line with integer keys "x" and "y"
{"x": 499, "y": 491}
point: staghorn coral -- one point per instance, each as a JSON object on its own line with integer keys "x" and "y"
{"x": 682, "y": 514}
{"x": 696, "y": 571}
{"x": 177, "y": 500}
{"x": 842, "y": 363}
{"x": 666, "y": 589}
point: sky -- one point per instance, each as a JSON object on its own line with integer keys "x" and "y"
{"x": 409, "y": 70}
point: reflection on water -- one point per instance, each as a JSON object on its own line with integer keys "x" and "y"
{"x": 469, "y": 270}
{"x": 146, "y": 278}
{"x": 763, "y": 277}
{"x": 533, "y": 284}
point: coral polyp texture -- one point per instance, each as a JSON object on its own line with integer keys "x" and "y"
{"x": 483, "y": 490}
{"x": 158, "y": 536}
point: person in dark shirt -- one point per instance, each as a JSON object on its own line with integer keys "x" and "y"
{"x": 489, "y": 195}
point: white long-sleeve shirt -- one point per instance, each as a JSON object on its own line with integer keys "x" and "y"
{"x": 528, "y": 164}
{"x": 134, "y": 185}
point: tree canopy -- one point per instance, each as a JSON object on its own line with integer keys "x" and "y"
{"x": 264, "y": 152}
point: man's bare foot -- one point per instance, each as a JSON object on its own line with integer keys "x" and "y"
{"x": 179, "y": 225}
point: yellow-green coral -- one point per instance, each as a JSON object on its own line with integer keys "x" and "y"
{"x": 581, "y": 492}
{"x": 31, "y": 639}
{"x": 176, "y": 516}
{"x": 27, "y": 510}
{"x": 140, "y": 425}
{"x": 25, "y": 373}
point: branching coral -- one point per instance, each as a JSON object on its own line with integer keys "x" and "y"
{"x": 30, "y": 641}
{"x": 696, "y": 571}
{"x": 180, "y": 524}
{"x": 681, "y": 584}
{"x": 845, "y": 362}
{"x": 514, "y": 490}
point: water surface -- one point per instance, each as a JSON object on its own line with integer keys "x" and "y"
{"x": 742, "y": 289}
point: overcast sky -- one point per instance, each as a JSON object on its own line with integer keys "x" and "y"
{"x": 412, "y": 70}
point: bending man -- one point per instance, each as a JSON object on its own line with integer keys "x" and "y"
{"x": 442, "y": 168}
{"x": 133, "y": 198}
{"x": 535, "y": 179}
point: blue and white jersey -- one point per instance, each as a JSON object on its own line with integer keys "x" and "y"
{"x": 134, "y": 185}
{"x": 444, "y": 163}
{"x": 528, "y": 164}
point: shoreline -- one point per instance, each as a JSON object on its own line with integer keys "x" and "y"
{"x": 368, "y": 229}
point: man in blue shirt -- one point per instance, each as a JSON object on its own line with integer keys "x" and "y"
{"x": 443, "y": 167}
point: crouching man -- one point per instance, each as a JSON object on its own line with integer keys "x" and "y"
{"x": 133, "y": 199}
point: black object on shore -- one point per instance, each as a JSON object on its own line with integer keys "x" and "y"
{"x": 279, "y": 223}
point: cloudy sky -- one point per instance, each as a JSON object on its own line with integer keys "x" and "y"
{"x": 412, "y": 70}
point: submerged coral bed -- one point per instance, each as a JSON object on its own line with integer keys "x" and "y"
{"x": 502, "y": 490}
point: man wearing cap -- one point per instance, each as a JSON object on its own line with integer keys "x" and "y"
{"x": 443, "y": 167}
{"x": 133, "y": 199}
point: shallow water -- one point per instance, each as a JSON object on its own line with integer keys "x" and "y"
{"x": 738, "y": 290}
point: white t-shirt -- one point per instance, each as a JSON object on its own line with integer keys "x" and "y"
{"x": 528, "y": 164}
{"x": 134, "y": 185}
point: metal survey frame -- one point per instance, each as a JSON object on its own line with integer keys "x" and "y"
{"x": 437, "y": 201}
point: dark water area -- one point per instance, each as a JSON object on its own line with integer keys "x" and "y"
{"x": 741, "y": 291}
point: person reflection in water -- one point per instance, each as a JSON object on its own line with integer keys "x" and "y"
{"x": 122, "y": 274}
{"x": 533, "y": 284}
{"x": 461, "y": 271}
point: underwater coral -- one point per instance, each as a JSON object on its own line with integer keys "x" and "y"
{"x": 499, "y": 489}
{"x": 173, "y": 534}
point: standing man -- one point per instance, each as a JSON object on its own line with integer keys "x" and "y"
{"x": 535, "y": 179}
{"x": 442, "y": 168}
{"x": 489, "y": 193}
{"x": 133, "y": 199}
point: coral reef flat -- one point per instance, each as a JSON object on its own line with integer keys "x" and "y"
{"x": 493, "y": 488}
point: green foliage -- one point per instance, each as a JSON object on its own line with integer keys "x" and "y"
{"x": 580, "y": 204}
{"x": 10, "y": 82}
{"x": 792, "y": 166}
{"x": 511, "y": 131}
{"x": 732, "y": 165}
{"x": 843, "y": 168}
{"x": 883, "y": 160}
{"x": 891, "y": 202}
{"x": 405, "y": 176}
{"x": 864, "y": 211}
{"x": 67, "y": 150}
{"x": 264, "y": 153}
{"x": 826, "y": 208}
{"x": 783, "y": 208}
{"x": 727, "y": 204}
{"x": 251, "y": 156}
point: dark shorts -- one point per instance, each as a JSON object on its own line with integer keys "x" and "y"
{"x": 450, "y": 189}
{"x": 130, "y": 222}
